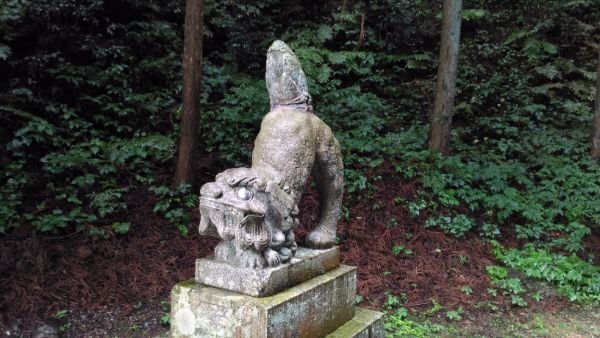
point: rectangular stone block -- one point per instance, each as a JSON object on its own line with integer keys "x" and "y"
{"x": 306, "y": 264}
{"x": 314, "y": 308}
{"x": 365, "y": 324}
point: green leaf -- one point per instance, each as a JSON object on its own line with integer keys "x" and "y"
{"x": 61, "y": 314}
{"x": 324, "y": 33}
{"x": 473, "y": 14}
{"x": 4, "y": 51}
{"x": 549, "y": 47}
{"x": 496, "y": 272}
{"x": 515, "y": 36}
{"x": 121, "y": 228}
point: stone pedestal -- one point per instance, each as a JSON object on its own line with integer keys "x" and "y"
{"x": 364, "y": 324}
{"x": 318, "y": 306}
{"x": 305, "y": 265}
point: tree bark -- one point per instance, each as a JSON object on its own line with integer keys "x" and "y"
{"x": 441, "y": 118}
{"x": 192, "y": 78}
{"x": 596, "y": 122}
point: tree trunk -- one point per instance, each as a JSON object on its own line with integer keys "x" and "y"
{"x": 596, "y": 122}
{"x": 441, "y": 119}
{"x": 192, "y": 77}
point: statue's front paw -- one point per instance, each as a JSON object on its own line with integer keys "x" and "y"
{"x": 285, "y": 254}
{"x": 272, "y": 257}
{"x": 319, "y": 240}
{"x": 225, "y": 251}
{"x": 252, "y": 259}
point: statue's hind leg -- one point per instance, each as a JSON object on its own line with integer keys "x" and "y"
{"x": 328, "y": 173}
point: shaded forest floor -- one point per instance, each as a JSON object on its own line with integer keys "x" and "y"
{"x": 115, "y": 286}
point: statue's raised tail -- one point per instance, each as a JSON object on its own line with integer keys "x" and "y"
{"x": 285, "y": 78}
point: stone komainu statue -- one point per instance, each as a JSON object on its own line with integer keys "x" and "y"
{"x": 254, "y": 210}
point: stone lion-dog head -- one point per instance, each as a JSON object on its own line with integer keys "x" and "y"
{"x": 250, "y": 215}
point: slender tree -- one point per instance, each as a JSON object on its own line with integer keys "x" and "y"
{"x": 596, "y": 122}
{"x": 192, "y": 78}
{"x": 441, "y": 118}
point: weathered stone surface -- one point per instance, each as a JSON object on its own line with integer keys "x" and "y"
{"x": 255, "y": 210}
{"x": 306, "y": 264}
{"x": 311, "y": 309}
{"x": 284, "y": 76}
{"x": 365, "y": 324}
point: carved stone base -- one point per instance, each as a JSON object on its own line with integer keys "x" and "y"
{"x": 306, "y": 264}
{"x": 314, "y": 308}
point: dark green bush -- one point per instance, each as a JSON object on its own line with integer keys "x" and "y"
{"x": 89, "y": 95}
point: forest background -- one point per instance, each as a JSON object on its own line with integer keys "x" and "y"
{"x": 90, "y": 105}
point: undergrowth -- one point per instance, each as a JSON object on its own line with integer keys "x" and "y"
{"x": 578, "y": 280}
{"x": 106, "y": 127}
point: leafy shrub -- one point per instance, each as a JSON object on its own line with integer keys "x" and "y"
{"x": 398, "y": 324}
{"x": 173, "y": 205}
{"x": 575, "y": 278}
{"x": 98, "y": 130}
{"x": 521, "y": 160}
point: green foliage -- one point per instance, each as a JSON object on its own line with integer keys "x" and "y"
{"x": 173, "y": 205}
{"x": 437, "y": 307}
{"x": 414, "y": 208}
{"x": 165, "y": 318}
{"x": 98, "y": 233}
{"x": 512, "y": 287}
{"x": 496, "y": 273}
{"x": 81, "y": 125}
{"x": 393, "y": 302}
{"x": 575, "y": 278}
{"x": 83, "y": 179}
{"x": 64, "y": 327}
{"x": 61, "y": 314}
{"x": 400, "y": 249}
{"x": 522, "y": 158}
{"x": 121, "y": 228}
{"x": 398, "y": 324}
{"x": 466, "y": 290}
{"x": 457, "y": 225}
{"x": 455, "y": 315}
{"x": 473, "y": 14}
